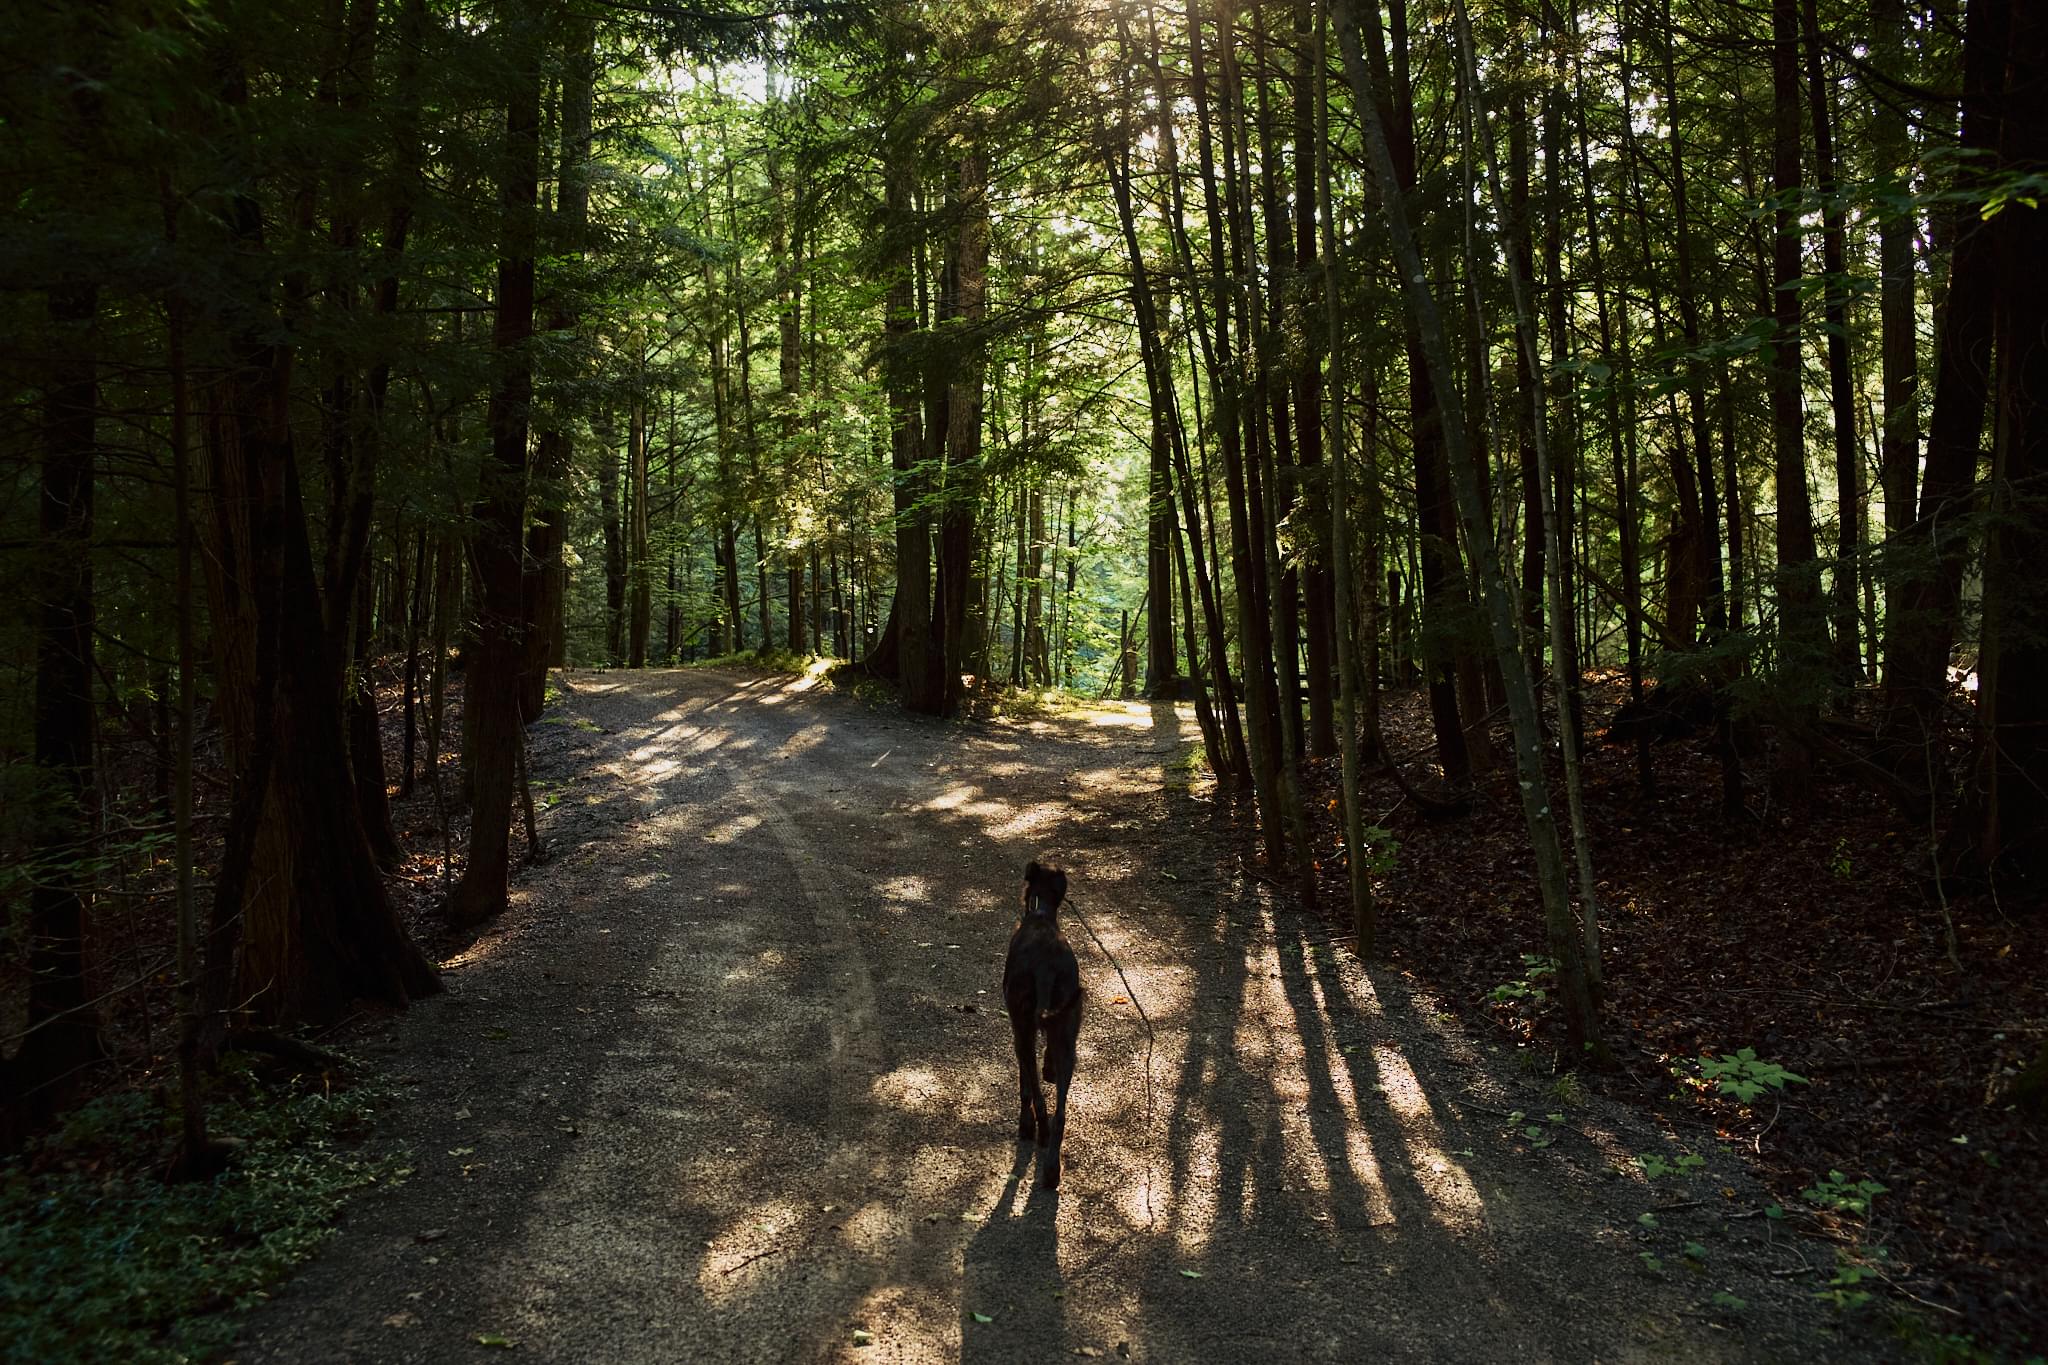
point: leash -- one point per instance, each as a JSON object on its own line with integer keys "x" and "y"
{"x": 1151, "y": 1039}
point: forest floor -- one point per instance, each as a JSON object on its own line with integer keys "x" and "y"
{"x": 731, "y": 1081}
{"x": 1813, "y": 935}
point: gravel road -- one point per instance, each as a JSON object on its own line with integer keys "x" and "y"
{"x": 731, "y": 1082}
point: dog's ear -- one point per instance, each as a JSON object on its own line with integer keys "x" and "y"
{"x": 1032, "y": 871}
{"x": 1056, "y": 886}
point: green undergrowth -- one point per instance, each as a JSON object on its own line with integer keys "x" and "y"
{"x": 1027, "y": 703}
{"x": 100, "y": 1260}
{"x": 770, "y": 661}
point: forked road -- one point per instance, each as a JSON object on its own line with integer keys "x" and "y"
{"x": 731, "y": 1082}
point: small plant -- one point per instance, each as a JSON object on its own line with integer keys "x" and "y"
{"x": 1840, "y": 864}
{"x": 1534, "y": 1132}
{"x": 1655, "y": 1166}
{"x": 1568, "y": 1090}
{"x": 1381, "y": 849}
{"x": 1838, "y": 1194}
{"x": 1535, "y": 968}
{"x": 1844, "y": 1291}
{"x": 1742, "y": 1076}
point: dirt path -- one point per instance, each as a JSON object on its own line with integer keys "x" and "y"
{"x": 731, "y": 1083}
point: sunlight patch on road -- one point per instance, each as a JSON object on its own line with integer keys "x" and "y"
{"x": 733, "y": 829}
{"x": 1455, "y": 1198}
{"x": 802, "y": 742}
{"x": 652, "y": 768}
{"x": 729, "y": 1267}
{"x": 1358, "y": 1120}
{"x": 1191, "y": 1211}
{"x": 1029, "y": 821}
{"x": 913, "y": 1087}
{"x": 907, "y": 890}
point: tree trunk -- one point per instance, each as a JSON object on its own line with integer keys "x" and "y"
{"x": 614, "y": 552}
{"x": 1802, "y": 632}
{"x": 640, "y": 583}
{"x": 494, "y": 673}
{"x": 2015, "y": 653}
{"x": 913, "y": 605}
{"x": 63, "y": 1030}
{"x": 1575, "y": 987}
{"x": 962, "y": 492}
{"x": 1357, "y": 860}
{"x": 1923, "y": 628}
{"x": 1841, "y": 383}
{"x": 1899, "y": 458}
{"x": 1317, "y": 585}
{"x": 366, "y": 742}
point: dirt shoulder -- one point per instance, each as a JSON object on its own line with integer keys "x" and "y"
{"x": 731, "y": 1082}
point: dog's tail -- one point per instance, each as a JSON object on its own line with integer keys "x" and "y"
{"x": 1043, "y": 979}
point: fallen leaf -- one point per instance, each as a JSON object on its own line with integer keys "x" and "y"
{"x": 862, "y": 1338}
{"x": 400, "y": 1320}
{"x": 493, "y": 1339}
{"x": 981, "y": 1317}
{"x": 1192, "y": 1274}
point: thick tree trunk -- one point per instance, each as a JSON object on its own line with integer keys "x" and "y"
{"x": 494, "y": 672}
{"x": 2015, "y": 655}
{"x": 63, "y": 1030}
{"x": 301, "y": 922}
{"x": 912, "y": 609}
{"x": 962, "y": 493}
{"x": 1899, "y": 460}
{"x": 1922, "y": 629}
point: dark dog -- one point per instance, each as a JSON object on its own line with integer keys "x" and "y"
{"x": 1042, "y": 989}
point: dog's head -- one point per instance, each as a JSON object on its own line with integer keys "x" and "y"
{"x": 1044, "y": 889}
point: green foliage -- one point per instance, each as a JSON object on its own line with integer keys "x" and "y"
{"x": 763, "y": 661}
{"x": 1742, "y": 1076}
{"x": 1853, "y": 1268}
{"x": 1654, "y": 1166}
{"x": 102, "y": 1261}
{"x": 1535, "y": 968}
{"x": 1568, "y": 1089}
{"x": 1839, "y": 1194}
{"x": 1381, "y": 850}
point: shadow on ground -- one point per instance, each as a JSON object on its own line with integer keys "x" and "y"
{"x": 732, "y": 1082}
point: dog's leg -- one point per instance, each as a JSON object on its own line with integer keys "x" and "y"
{"x": 1059, "y": 1069}
{"x": 1031, "y": 1120}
